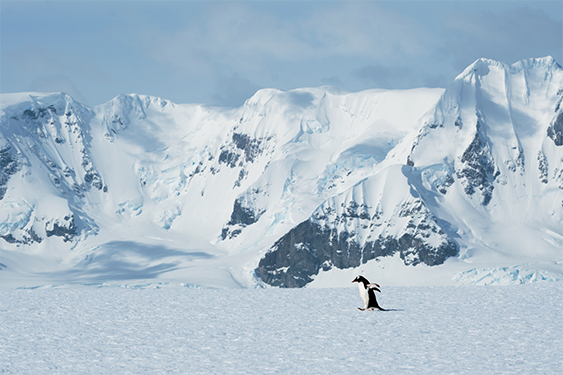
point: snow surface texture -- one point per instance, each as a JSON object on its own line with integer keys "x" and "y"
{"x": 305, "y": 187}
{"x": 431, "y": 330}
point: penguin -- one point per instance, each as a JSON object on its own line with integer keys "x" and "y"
{"x": 367, "y": 293}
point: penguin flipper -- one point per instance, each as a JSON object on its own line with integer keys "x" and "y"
{"x": 374, "y": 286}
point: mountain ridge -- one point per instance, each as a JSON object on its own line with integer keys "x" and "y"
{"x": 293, "y": 185}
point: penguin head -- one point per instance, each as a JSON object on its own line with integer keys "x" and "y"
{"x": 361, "y": 279}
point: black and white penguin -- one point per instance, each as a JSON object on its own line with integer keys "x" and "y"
{"x": 367, "y": 293}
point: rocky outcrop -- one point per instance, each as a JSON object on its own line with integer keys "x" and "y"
{"x": 241, "y": 149}
{"x": 26, "y": 237}
{"x": 555, "y": 130}
{"x": 245, "y": 212}
{"x": 352, "y": 236}
{"x": 64, "y": 228}
{"x": 543, "y": 167}
{"x": 8, "y": 167}
{"x": 478, "y": 170}
{"x": 23, "y": 226}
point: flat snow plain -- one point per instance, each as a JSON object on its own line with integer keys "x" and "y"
{"x": 438, "y": 330}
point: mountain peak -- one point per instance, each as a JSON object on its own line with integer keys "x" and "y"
{"x": 547, "y": 62}
{"x": 37, "y": 98}
{"x": 482, "y": 66}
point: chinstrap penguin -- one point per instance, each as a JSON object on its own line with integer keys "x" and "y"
{"x": 367, "y": 293}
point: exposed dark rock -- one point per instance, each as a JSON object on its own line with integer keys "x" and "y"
{"x": 243, "y": 215}
{"x": 242, "y": 149}
{"x": 478, "y": 169}
{"x": 34, "y": 236}
{"x": 543, "y": 167}
{"x": 520, "y": 160}
{"x": 229, "y": 158}
{"x": 242, "y": 141}
{"x": 324, "y": 241}
{"x": 8, "y": 167}
{"x": 241, "y": 176}
{"x": 292, "y": 260}
{"x": 443, "y": 187}
{"x": 555, "y": 130}
{"x": 435, "y": 125}
{"x": 65, "y": 228}
{"x": 93, "y": 178}
{"x": 26, "y": 237}
{"x": 68, "y": 172}
{"x": 30, "y": 114}
{"x": 9, "y": 238}
{"x": 55, "y": 180}
{"x": 559, "y": 178}
{"x": 200, "y": 168}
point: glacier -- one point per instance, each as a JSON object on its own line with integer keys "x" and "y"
{"x": 306, "y": 187}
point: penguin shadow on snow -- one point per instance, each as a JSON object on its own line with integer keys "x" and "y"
{"x": 367, "y": 292}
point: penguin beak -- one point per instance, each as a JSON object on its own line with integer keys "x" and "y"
{"x": 354, "y": 281}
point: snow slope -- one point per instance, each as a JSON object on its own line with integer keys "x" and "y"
{"x": 462, "y": 330}
{"x": 480, "y": 179}
{"x": 304, "y": 187}
{"x": 169, "y": 176}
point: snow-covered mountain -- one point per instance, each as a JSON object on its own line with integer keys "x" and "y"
{"x": 304, "y": 187}
{"x": 480, "y": 178}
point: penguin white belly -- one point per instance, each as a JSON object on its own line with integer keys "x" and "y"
{"x": 363, "y": 294}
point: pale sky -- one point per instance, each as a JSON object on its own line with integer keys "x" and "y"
{"x": 222, "y": 52}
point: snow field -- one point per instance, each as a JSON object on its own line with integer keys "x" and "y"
{"x": 439, "y": 330}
